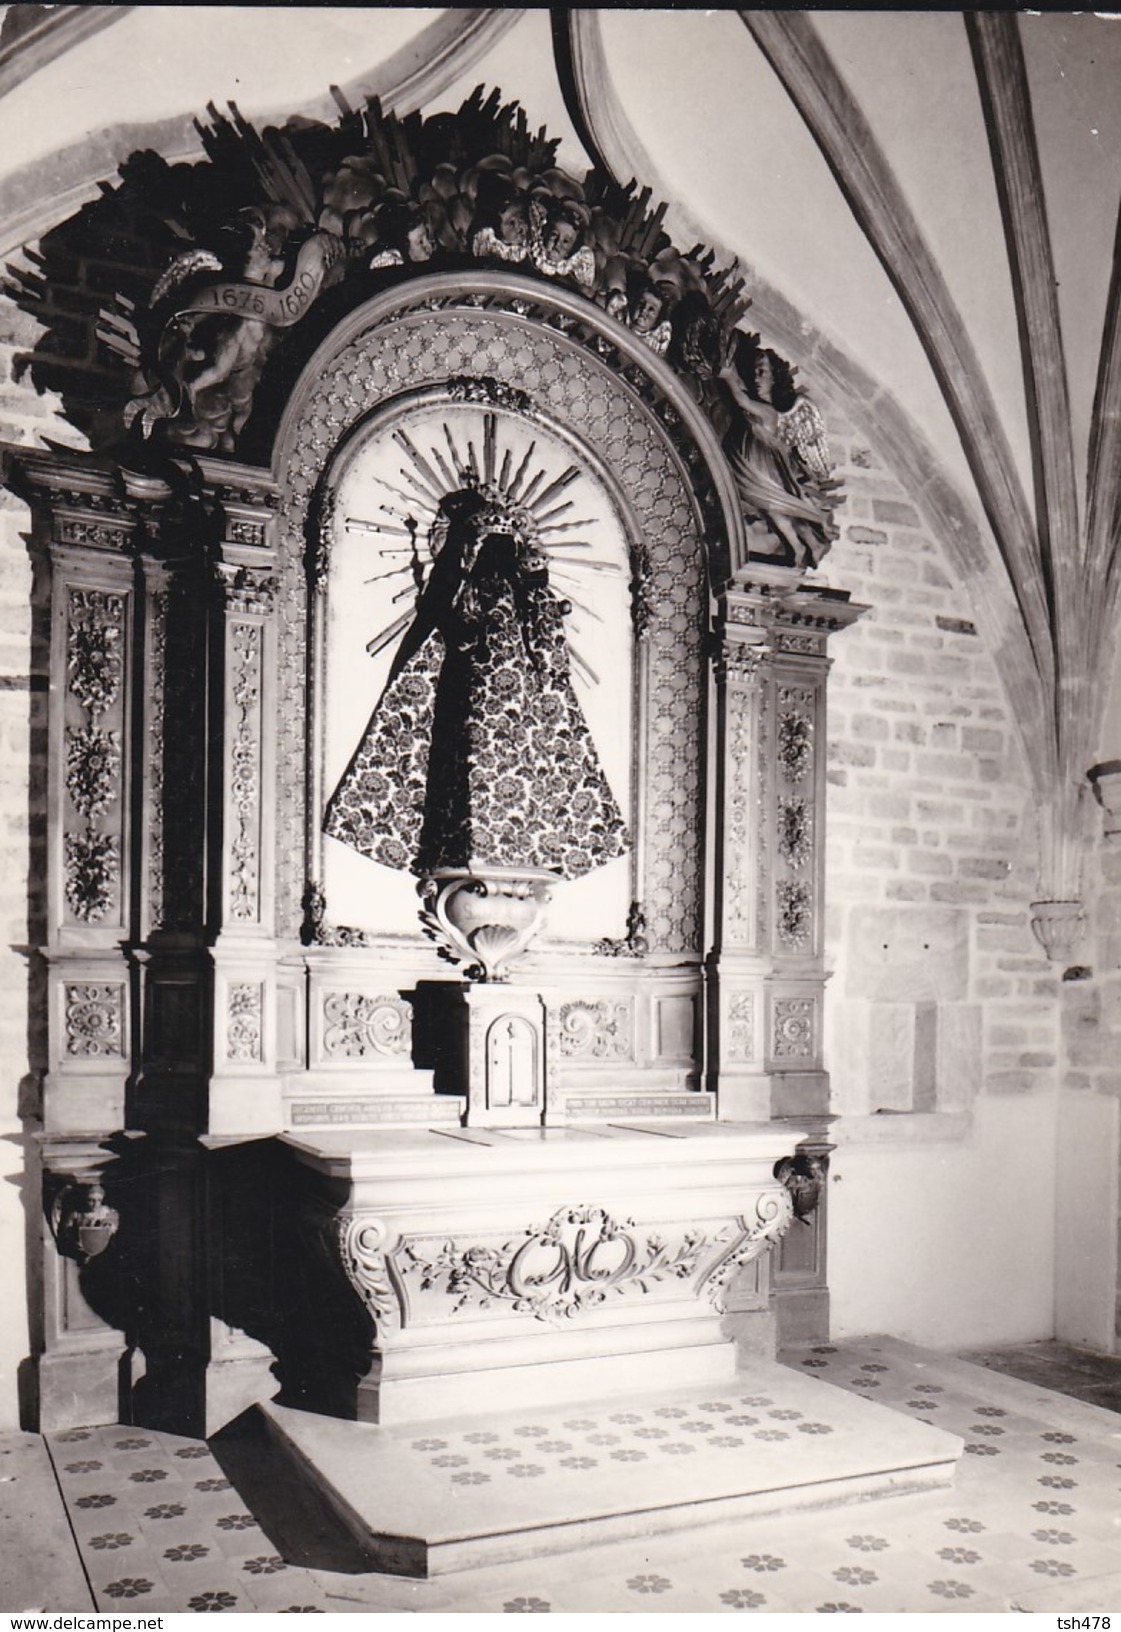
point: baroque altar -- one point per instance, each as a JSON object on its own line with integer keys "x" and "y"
{"x": 435, "y": 871}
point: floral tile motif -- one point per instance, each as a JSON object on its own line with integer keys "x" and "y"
{"x": 204, "y": 1602}
{"x": 950, "y": 1589}
{"x": 959, "y": 1555}
{"x": 742, "y": 1598}
{"x": 129, "y": 1586}
{"x": 853, "y": 1576}
{"x": 649, "y": 1583}
{"x": 527, "y": 1605}
{"x": 763, "y": 1562}
{"x": 831, "y": 1608}
{"x": 868, "y": 1544}
{"x": 110, "y": 1542}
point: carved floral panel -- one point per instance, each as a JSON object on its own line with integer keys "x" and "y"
{"x": 741, "y": 1027}
{"x": 92, "y": 755}
{"x": 245, "y": 769}
{"x": 793, "y": 1028}
{"x": 578, "y": 1260}
{"x": 93, "y": 1020}
{"x": 244, "y": 1003}
{"x": 595, "y": 1030}
{"x": 356, "y": 1026}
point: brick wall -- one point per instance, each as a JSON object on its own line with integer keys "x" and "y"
{"x": 939, "y": 990}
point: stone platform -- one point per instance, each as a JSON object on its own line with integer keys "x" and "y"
{"x": 426, "y": 1499}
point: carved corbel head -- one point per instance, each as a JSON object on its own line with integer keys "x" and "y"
{"x": 82, "y": 1222}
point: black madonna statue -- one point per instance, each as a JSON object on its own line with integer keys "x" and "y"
{"x": 477, "y": 754}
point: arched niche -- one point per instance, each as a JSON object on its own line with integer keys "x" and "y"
{"x": 414, "y": 381}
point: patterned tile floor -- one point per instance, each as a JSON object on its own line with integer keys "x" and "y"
{"x": 1033, "y": 1521}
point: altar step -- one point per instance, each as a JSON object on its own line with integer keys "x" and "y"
{"x": 427, "y": 1499}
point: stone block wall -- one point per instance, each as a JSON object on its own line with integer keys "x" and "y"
{"x": 939, "y": 990}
